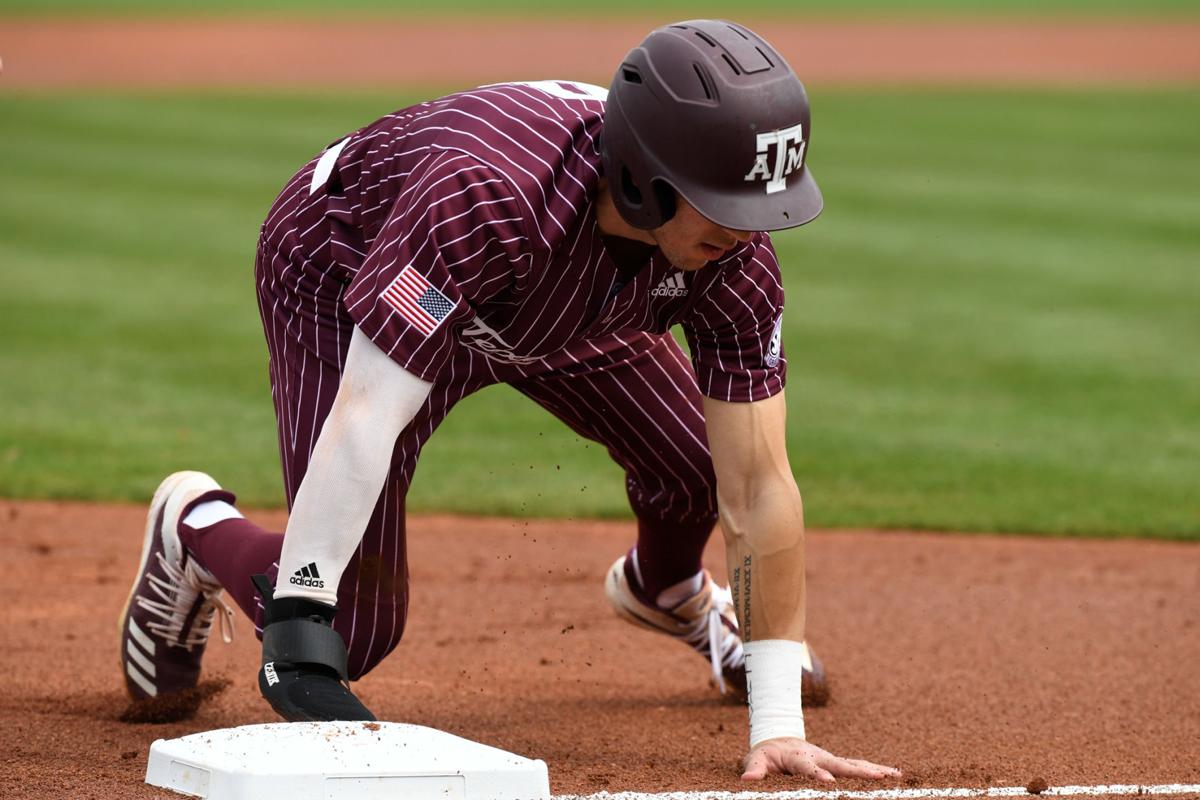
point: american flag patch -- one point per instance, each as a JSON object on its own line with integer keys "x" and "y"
{"x": 417, "y": 300}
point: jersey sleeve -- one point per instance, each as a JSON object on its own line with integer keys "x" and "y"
{"x": 455, "y": 237}
{"x": 735, "y": 330}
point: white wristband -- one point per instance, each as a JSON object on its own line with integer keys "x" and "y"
{"x": 773, "y": 672}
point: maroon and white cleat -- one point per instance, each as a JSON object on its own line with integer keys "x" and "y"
{"x": 171, "y": 607}
{"x": 706, "y": 622}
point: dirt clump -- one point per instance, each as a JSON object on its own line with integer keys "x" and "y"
{"x": 1037, "y": 786}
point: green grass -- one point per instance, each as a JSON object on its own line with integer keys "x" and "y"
{"x": 664, "y": 9}
{"x": 994, "y": 326}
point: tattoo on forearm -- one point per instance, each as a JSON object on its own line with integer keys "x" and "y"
{"x": 735, "y": 588}
{"x": 744, "y": 583}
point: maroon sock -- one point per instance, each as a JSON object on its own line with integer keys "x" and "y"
{"x": 232, "y": 550}
{"x": 668, "y": 554}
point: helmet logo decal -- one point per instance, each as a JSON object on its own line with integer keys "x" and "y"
{"x": 788, "y": 145}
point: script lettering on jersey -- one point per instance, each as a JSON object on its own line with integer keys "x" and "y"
{"x": 479, "y": 336}
{"x": 787, "y": 146}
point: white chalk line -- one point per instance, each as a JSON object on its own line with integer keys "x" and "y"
{"x": 900, "y": 794}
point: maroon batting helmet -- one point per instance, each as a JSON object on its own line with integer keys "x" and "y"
{"x": 709, "y": 109}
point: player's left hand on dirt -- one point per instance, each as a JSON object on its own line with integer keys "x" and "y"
{"x": 303, "y": 674}
{"x": 789, "y": 756}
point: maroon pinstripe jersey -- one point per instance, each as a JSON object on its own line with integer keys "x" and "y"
{"x": 468, "y": 221}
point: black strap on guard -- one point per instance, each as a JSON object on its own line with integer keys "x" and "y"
{"x": 302, "y": 641}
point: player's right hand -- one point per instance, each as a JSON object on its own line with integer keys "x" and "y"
{"x": 790, "y": 756}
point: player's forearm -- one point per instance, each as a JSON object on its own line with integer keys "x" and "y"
{"x": 764, "y": 548}
{"x": 763, "y": 520}
{"x": 761, "y": 515}
{"x": 765, "y": 545}
{"x": 332, "y": 507}
{"x": 375, "y": 402}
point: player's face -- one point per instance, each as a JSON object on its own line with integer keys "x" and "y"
{"x": 689, "y": 240}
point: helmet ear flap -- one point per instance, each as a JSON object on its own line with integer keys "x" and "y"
{"x": 642, "y": 201}
{"x": 629, "y": 190}
{"x": 661, "y": 208}
{"x": 664, "y": 194}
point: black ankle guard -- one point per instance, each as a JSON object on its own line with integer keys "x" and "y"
{"x": 304, "y": 663}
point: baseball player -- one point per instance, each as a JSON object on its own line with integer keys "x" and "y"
{"x": 546, "y": 235}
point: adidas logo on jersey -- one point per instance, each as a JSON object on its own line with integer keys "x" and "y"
{"x": 308, "y": 576}
{"x": 670, "y": 286}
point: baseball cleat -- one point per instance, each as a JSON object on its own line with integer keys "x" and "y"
{"x": 170, "y": 611}
{"x": 706, "y": 622}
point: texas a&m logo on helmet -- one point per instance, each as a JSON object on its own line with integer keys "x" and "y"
{"x": 779, "y": 154}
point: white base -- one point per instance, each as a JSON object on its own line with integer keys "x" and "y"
{"x": 342, "y": 760}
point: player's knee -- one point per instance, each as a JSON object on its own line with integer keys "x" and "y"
{"x": 683, "y": 475}
{"x": 681, "y": 504}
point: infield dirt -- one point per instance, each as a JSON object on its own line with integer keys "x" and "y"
{"x": 966, "y": 660}
{"x": 348, "y": 56}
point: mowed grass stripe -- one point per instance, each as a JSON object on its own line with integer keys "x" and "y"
{"x": 992, "y": 327}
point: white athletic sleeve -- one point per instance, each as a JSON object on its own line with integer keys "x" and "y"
{"x": 375, "y": 401}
